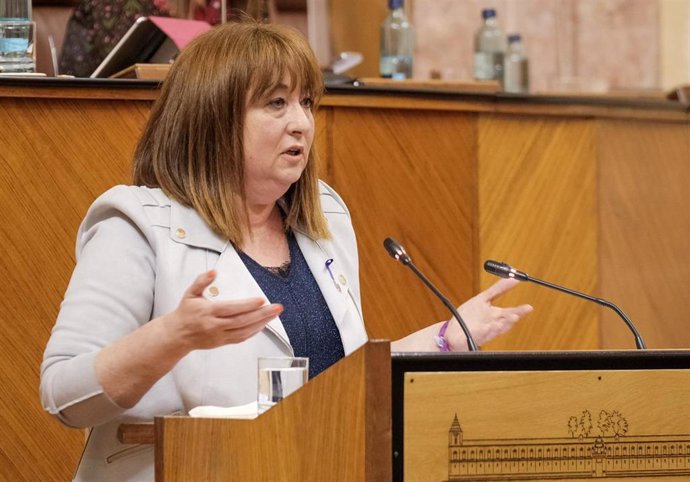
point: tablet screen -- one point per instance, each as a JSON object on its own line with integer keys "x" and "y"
{"x": 144, "y": 42}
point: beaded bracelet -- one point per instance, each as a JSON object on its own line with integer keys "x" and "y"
{"x": 441, "y": 341}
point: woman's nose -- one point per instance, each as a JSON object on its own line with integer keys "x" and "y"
{"x": 300, "y": 119}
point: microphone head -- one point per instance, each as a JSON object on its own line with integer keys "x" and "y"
{"x": 504, "y": 270}
{"x": 396, "y": 251}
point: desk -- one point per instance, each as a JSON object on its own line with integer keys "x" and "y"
{"x": 590, "y": 193}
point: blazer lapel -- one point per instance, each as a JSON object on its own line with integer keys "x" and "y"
{"x": 233, "y": 280}
{"x": 331, "y": 278}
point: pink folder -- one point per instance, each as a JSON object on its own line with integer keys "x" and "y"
{"x": 180, "y": 31}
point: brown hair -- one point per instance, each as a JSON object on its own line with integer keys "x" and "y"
{"x": 192, "y": 146}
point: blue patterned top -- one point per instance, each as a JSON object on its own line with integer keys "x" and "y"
{"x": 307, "y": 319}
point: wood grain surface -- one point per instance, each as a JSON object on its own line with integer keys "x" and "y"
{"x": 644, "y": 176}
{"x": 336, "y": 428}
{"x": 571, "y": 194}
{"x": 534, "y": 409}
{"x": 403, "y": 176}
{"x": 348, "y": 32}
{"x": 56, "y": 157}
{"x": 538, "y": 212}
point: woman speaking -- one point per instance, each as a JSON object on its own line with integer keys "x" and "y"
{"x": 226, "y": 247}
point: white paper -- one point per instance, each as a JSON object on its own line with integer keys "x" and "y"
{"x": 247, "y": 411}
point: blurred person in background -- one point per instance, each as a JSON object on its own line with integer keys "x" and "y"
{"x": 96, "y": 26}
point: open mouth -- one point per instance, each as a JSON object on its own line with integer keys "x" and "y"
{"x": 295, "y": 151}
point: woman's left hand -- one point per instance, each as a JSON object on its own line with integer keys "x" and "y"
{"x": 484, "y": 320}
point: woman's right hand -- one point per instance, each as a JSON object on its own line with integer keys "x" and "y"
{"x": 199, "y": 323}
{"x": 130, "y": 366}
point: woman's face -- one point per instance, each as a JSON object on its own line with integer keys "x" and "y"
{"x": 278, "y": 133}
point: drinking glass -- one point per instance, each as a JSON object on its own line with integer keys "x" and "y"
{"x": 17, "y": 37}
{"x": 279, "y": 377}
{"x": 17, "y": 46}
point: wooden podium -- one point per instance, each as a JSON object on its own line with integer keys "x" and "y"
{"x": 335, "y": 428}
{"x": 377, "y": 416}
{"x": 537, "y": 416}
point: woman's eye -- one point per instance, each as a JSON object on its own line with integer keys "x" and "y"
{"x": 307, "y": 103}
{"x": 277, "y": 103}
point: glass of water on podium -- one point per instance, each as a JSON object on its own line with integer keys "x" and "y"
{"x": 17, "y": 35}
{"x": 279, "y": 377}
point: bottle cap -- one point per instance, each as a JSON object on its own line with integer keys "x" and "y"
{"x": 392, "y": 4}
{"x": 514, "y": 37}
{"x": 488, "y": 13}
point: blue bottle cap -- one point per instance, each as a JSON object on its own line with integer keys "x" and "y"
{"x": 488, "y": 13}
{"x": 514, "y": 37}
{"x": 393, "y": 4}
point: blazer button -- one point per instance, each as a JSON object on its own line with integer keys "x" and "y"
{"x": 213, "y": 291}
{"x": 181, "y": 233}
{"x": 342, "y": 279}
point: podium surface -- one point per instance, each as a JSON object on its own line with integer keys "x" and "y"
{"x": 541, "y": 416}
{"x": 335, "y": 428}
{"x": 509, "y": 416}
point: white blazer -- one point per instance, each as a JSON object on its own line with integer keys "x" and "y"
{"x": 137, "y": 253}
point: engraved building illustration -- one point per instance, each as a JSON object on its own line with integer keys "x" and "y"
{"x": 608, "y": 452}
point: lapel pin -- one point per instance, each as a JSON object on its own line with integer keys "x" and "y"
{"x": 329, "y": 262}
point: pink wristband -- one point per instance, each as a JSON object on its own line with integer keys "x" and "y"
{"x": 441, "y": 341}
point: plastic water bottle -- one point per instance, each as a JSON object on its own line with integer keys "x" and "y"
{"x": 397, "y": 43}
{"x": 489, "y": 48}
{"x": 16, "y": 36}
{"x": 516, "y": 67}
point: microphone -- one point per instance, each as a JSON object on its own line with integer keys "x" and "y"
{"x": 504, "y": 270}
{"x": 398, "y": 253}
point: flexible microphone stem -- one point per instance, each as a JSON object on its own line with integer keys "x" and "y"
{"x": 504, "y": 270}
{"x": 396, "y": 251}
{"x": 638, "y": 339}
{"x": 471, "y": 345}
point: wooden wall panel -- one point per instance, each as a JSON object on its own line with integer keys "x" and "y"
{"x": 454, "y": 183}
{"x": 56, "y": 157}
{"x": 355, "y": 27}
{"x": 645, "y": 222}
{"x": 538, "y": 212}
{"x": 409, "y": 175}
